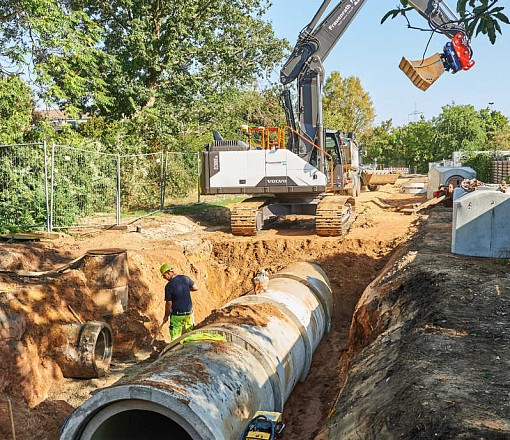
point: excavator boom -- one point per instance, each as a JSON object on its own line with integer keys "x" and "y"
{"x": 317, "y": 39}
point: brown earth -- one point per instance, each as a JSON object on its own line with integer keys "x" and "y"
{"x": 426, "y": 355}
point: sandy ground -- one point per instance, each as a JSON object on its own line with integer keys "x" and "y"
{"x": 360, "y": 386}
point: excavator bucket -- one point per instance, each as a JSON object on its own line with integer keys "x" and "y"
{"x": 423, "y": 73}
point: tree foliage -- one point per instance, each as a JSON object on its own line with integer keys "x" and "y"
{"x": 16, "y": 106}
{"x": 346, "y": 106}
{"x": 37, "y": 33}
{"x": 477, "y": 16}
{"x": 456, "y": 128}
{"x": 415, "y": 145}
{"x": 170, "y": 53}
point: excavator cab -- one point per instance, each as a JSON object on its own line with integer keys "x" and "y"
{"x": 265, "y": 425}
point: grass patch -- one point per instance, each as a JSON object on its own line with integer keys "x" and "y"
{"x": 194, "y": 208}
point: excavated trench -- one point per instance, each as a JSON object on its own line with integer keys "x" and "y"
{"x": 350, "y": 266}
{"x": 418, "y": 346}
{"x": 225, "y": 267}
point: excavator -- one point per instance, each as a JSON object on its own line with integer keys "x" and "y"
{"x": 305, "y": 169}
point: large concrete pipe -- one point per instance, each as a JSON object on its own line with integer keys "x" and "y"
{"x": 86, "y": 350}
{"x": 248, "y": 356}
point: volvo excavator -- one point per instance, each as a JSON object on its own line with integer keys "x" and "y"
{"x": 305, "y": 169}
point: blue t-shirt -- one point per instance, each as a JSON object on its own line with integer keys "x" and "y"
{"x": 177, "y": 290}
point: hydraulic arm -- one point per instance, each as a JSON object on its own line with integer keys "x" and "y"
{"x": 316, "y": 40}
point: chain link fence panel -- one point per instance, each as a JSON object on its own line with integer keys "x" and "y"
{"x": 24, "y": 194}
{"x": 84, "y": 188}
{"x": 64, "y": 187}
{"x": 181, "y": 177}
{"x": 141, "y": 182}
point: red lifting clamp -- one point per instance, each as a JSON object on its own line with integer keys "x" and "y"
{"x": 463, "y": 51}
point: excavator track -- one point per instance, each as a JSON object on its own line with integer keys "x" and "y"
{"x": 243, "y": 217}
{"x": 334, "y": 215}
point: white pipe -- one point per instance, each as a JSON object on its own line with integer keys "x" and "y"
{"x": 208, "y": 390}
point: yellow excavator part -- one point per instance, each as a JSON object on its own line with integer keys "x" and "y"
{"x": 423, "y": 73}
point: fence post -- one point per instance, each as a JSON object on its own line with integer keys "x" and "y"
{"x": 198, "y": 175}
{"x": 118, "y": 191}
{"x": 162, "y": 181}
{"x": 165, "y": 175}
{"x": 46, "y": 187}
{"x": 52, "y": 191}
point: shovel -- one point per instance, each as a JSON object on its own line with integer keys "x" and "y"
{"x": 146, "y": 353}
{"x": 157, "y": 333}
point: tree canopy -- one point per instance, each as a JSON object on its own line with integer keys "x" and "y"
{"x": 117, "y": 57}
{"x": 456, "y": 128}
{"x": 346, "y": 105}
{"x": 477, "y": 16}
{"x": 16, "y": 106}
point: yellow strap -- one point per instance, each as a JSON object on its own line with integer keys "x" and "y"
{"x": 203, "y": 336}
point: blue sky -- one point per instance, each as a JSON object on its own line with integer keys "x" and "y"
{"x": 372, "y": 52}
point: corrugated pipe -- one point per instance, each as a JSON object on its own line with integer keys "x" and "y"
{"x": 206, "y": 385}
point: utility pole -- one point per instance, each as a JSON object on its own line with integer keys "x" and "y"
{"x": 414, "y": 114}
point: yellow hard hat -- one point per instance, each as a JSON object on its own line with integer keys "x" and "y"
{"x": 165, "y": 268}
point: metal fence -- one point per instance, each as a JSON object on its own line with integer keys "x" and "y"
{"x": 24, "y": 189}
{"x": 59, "y": 186}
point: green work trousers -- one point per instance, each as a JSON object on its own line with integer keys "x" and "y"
{"x": 180, "y": 324}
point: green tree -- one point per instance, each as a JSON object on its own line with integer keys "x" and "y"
{"x": 458, "y": 128}
{"x": 38, "y": 33}
{"x": 501, "y": 140}
{"x": 378, "y": 146}
{"x": 493, "y": 123}
{"x": 346, "y": 106}
{"x": 16, "y": 106}
{"x": 478, "y": 16}
{"x": 172, "y": 53}
{"x": 414, "y": 145}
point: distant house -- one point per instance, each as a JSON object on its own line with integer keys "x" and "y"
{"x": 56, "y": 118}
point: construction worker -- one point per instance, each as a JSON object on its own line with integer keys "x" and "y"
{"x": 260, "y": 281}
{"x": 178, "y": 304}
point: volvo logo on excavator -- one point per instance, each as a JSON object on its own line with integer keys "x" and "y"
{"x": 272, "y": 181}
{"x": 278, "y": 181}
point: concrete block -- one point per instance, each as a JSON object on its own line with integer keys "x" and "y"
{"x": 447, "y": 175}
{"x": 480, "y": 224}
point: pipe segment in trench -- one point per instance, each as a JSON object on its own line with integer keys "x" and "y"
{"x": 208, "y": 389}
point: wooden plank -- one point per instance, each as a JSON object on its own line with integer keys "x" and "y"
{"x": 7, "y": 430}
{"x": 30, "y": 236}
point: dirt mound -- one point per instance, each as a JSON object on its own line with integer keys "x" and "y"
{"x": 429, "y": 347}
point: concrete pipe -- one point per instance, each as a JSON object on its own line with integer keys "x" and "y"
{"x": 206, "y": 385}
{"x": 87, "y": 350}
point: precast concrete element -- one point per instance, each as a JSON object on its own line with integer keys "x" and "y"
{"x": 480, "y": 223}
{"x": 87, "y": 350}
{"x": 312, "y": 275}
{"x": 206, "y": 389}
{"x": 454, "y": 176}
{"x": 107, "y": 274}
